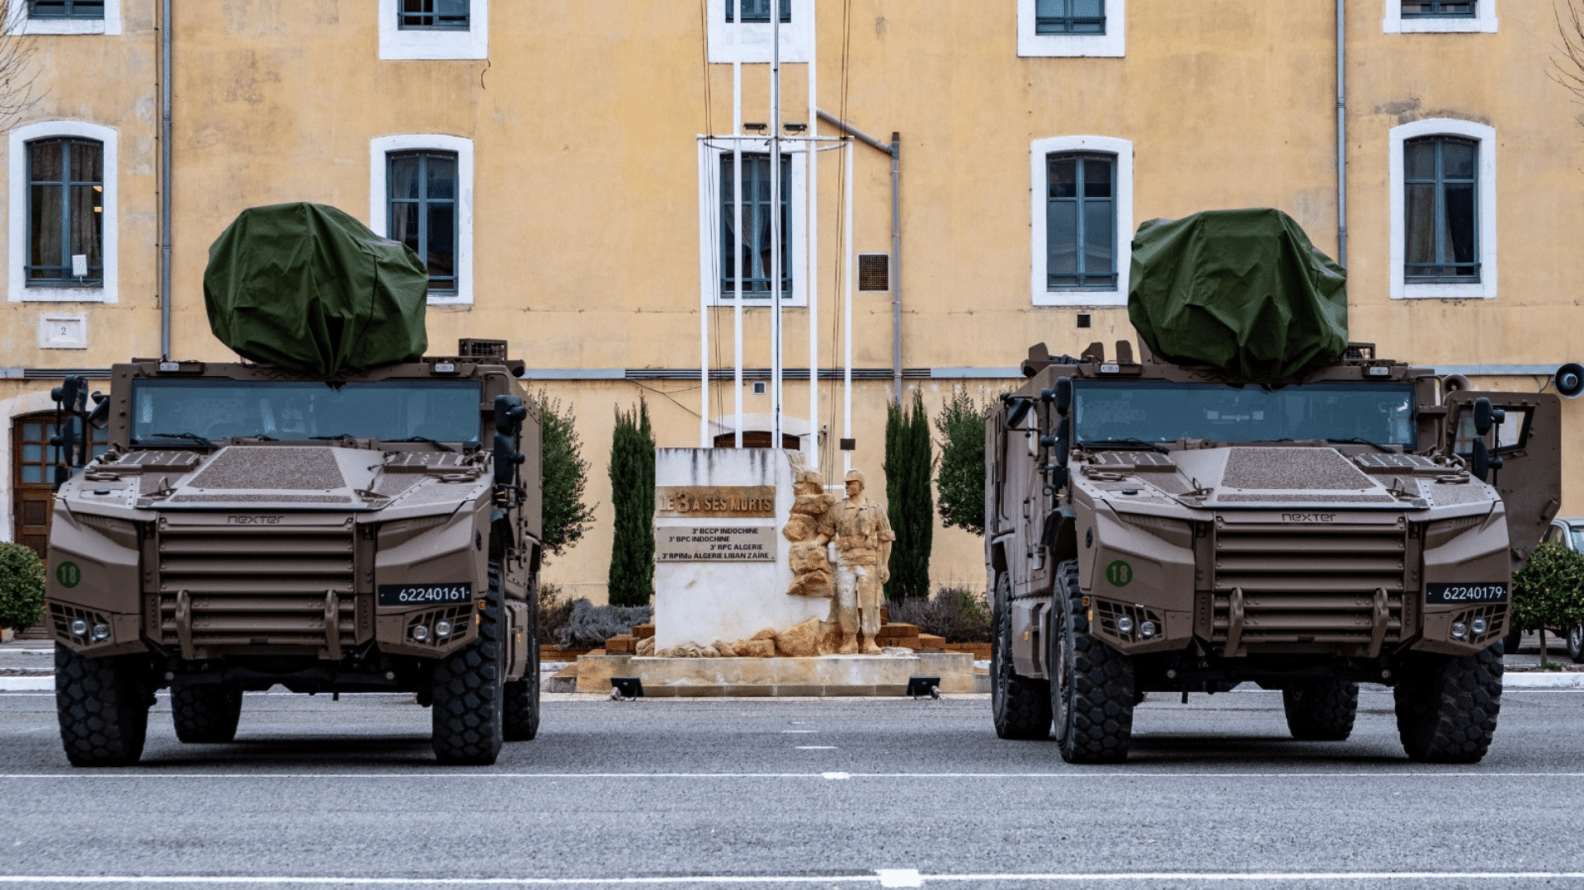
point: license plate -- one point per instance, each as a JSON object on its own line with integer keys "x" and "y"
{"x": 1466, "y": 593}
{"x": 424, "y": 594}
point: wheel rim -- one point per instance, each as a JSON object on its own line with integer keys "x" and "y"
{"x": 1061, "y": 702}
{"x": 1576, "y": 638}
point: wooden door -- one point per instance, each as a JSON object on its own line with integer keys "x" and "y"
{"x": 32, "y": 472}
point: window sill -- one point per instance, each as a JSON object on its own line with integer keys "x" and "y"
{"x": 63, "y": 294}
{"x": 1446, "y": 290}
{"x": 1077, "y": 297}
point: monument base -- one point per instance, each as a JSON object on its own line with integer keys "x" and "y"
{"x": 826, "y": 675}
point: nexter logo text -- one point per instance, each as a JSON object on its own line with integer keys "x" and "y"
{"x": 254, "y": 520}
{"x": 1308, "y": 517}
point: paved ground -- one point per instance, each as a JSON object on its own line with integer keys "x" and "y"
{"x": 794, "y": 793}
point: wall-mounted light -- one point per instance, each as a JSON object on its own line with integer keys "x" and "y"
{"x": 794, "y": 127}
{"x": 756, "y": 127}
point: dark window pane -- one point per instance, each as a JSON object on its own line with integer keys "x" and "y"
{"x": 32, "y": 474}
{"x": 1458, "y": 159}
{"x": 87, "y": 161}
{"x": 1088, "y": 8}
{"x": 442, "y": 178}
{"x": 87, "y": 223}
{"x": 1061, "y": 227}
{"x": 1460, "y": 214}
{"x": 404, "y": 225}
{"x": 1098, "y": 228}
{"x": 1419, "y": 223}
{"x": 1097, "y": 178}
{"x": 59, "y": 9}
{"x": 44, "y": 226}
{"x": 404, "y": 177}
{"x": 752, "y": 250}
{"x": 1419, "y": 159}
{"x": 441, "y": 258}
{"x": 44, "y": 161}
{"x": 1063, "y": 178}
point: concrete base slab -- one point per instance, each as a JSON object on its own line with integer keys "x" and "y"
{"x": 829, "y": 675}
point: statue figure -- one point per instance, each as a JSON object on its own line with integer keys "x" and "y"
{"x": 811, "y": 570}
{"x": 863, "y": 537}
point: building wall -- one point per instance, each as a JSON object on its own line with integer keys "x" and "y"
{"x": 583, "y": 122}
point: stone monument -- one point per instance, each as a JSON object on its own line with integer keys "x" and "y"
{"x": 862, "y": 536}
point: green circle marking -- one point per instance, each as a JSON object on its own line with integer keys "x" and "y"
{"x": 1119, "y": 573}
{"x": 68, "y": 574}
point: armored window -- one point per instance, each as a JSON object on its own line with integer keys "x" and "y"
{"x": 433, "y": 14}
{"x": 65, "y": 220}
{"x": 1069, "y": 17}
{"x": 1080, "y": 221}
{"x": 751, "y": 250}
{"x": 66, "y": 9}
{"x": 1441, "y": 209}
{"x": 422, "y": 188}
{"x": 1439, "y": 8}
{"x": 757, "y": 10}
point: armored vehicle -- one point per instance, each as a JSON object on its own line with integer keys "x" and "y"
{"x": 1168, "y": 526}
{"x": 252, "y": 526}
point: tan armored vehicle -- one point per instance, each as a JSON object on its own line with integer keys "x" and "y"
{"x": 1156, "y": 526}
{"x": 252, "y": 525}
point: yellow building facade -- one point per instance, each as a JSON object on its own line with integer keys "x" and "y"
{"x": 566, "y": 168}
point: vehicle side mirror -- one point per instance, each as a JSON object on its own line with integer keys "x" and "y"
{"x": 1017, "y": 408}
{"x": 509, "y": 414}
{"x": 1486, "y": 416}
{"x": 1063, "y": 395}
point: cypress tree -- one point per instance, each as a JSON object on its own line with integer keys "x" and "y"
{"x": 632, "y": 476}
{"x": 566, "y": 515}
{"x": 961, "y": 478}
{"x": 910, "y": 504}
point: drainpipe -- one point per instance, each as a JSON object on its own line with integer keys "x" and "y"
{"x": 165, "y": 180}
{"x": 895, "y": 151}
{"x": 1342, "y": 136}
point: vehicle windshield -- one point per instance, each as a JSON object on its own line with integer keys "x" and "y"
{"x": 1120, "y": 412}
{"x": 179, "y": 412}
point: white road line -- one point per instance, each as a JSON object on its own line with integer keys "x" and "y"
{"x": 835, "y": 777}
{"x": 802, "y": 731}
{"x": 149, "y": 771}
{"x": 815, "y": 748}
{"x": 883, "y": 877}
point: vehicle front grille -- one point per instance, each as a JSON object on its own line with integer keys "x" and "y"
{"x": 289, "y": 590}
{"x": 1335, "y": 588}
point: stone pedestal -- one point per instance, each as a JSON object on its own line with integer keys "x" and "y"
{"x": 721, "y": 562}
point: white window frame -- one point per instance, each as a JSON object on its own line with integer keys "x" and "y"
{"x": 380, "y": 148}
{"x": 1485, "y": 288}
{"x": 1111, "y": 44}
{"x": 795, "y": 191}
{"x": 750, "y": 41}
{"x": 1038, "y": 150}
{"x": 434, "y": 43}
{"x": 17, "y": 179}
{"x": 1483, "y": 22}
{"x": 22, "y": 25}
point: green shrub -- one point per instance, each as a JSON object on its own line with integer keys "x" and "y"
{"x": 961, "y": 477}
{"x": 958, "y": 614}
{"x": 909, "y": 500}
{"x": 1549, "y": 590}
{"x": 632, "y": 476}
{"x": 21, "y": 586}
{"x": 554, "y": 609}
{"x": 566, "y": 515}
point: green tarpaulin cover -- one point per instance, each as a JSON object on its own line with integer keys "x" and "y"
{"x": 1242, "y": 290}
{"x": 308, "y": 287}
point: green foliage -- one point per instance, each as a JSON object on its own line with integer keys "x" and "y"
{"x": 958, "y": 614}
{"x": 566, "y": 515}
{"x": 632, "y": 476}
{"x": 21, "y": 586}
{"x": 909, "y": 501}
{"x": 1549, "y": 590}
{"x": 554, "y": 609}
{"x": 961, "y": 476}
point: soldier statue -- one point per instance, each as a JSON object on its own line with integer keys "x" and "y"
{"x": 863, "y": 537}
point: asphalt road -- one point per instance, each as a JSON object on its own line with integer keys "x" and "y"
{"x": 794, "y": 793}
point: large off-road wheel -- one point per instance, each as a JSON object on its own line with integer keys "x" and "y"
{"x": 1020, "y": 706}
{"x": 205, "y": 713}
{"x": 469, "y": 695}
{"x": 1321, "y": 712}
{"x": 103, "y": 706}
{"x": 1447, "y": 707}
{"x": 1092, "y": 689}
{"x": 1575, "y": 644}
{"x": 522, "y": 696}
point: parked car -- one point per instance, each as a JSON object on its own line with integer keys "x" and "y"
{"x": 1569, "y": 532}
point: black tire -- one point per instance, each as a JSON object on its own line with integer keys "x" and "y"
{"x": 522, "y": 696}
{"x": 1092, "y": 688}
{"x": 1575, "y": 644}
{"x": 1512, "y": 640}
{"x": 1447, "y": 707}
{"x": 1020, "y": 706}
{"x": 103, "y": 706}
{"x": 1321, "y": 712}
{"x": 468, "y": 707}
{"x": 205, "y": 714}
